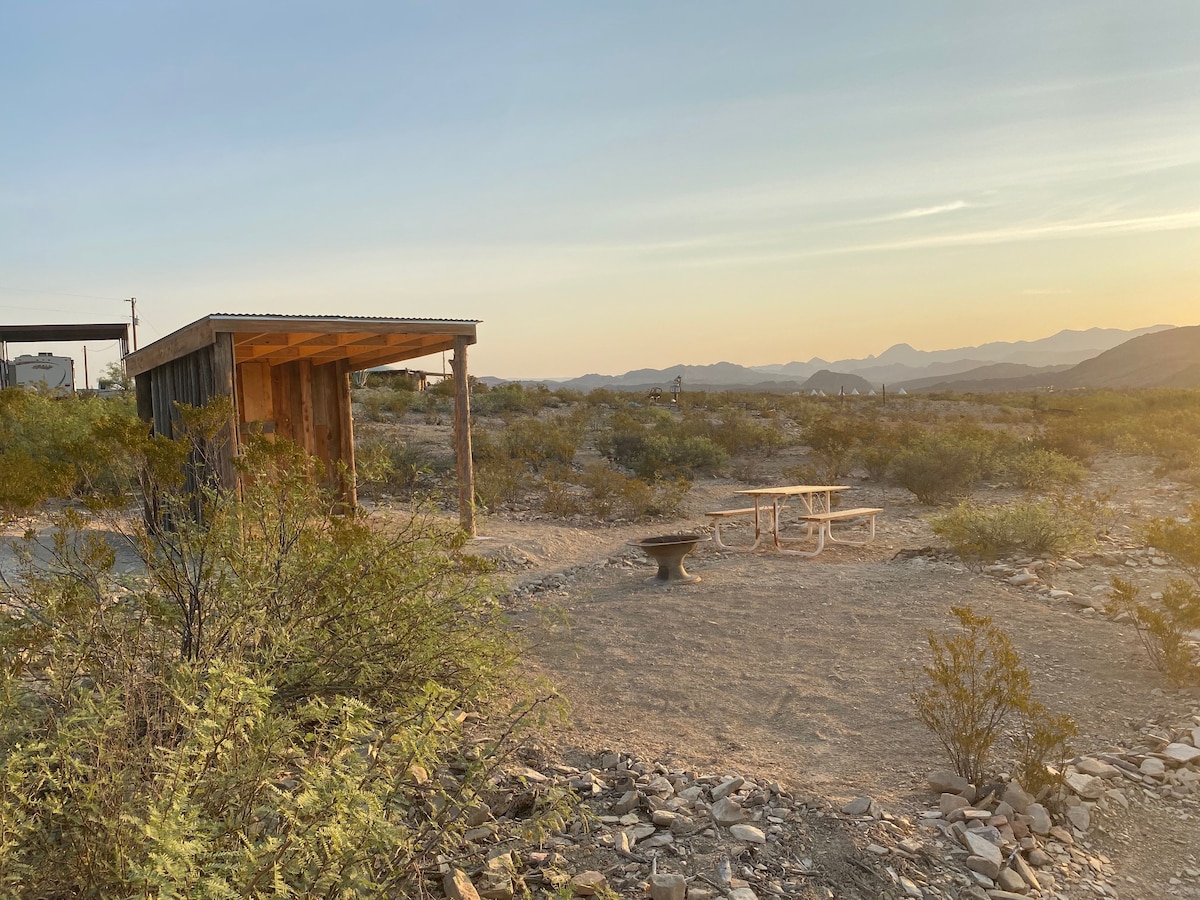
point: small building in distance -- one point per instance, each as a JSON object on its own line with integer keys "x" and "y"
{"x": 289, "y": 376}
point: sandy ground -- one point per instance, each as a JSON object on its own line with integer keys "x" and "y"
{"x": 800, "y": 669}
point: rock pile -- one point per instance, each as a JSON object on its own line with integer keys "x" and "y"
{"x": 646, "y": 829}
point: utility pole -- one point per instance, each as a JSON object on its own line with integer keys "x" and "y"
{"x": 132, "y": 301}
{"x": 87, "y": 384}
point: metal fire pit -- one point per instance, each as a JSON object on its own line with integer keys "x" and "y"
{"x": 668, "y": 551}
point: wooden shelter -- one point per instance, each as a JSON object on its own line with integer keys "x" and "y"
{"x": 289, "y": 376}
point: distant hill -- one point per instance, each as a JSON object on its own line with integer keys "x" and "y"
{"x": 835, "y": 382}
{"x": 979, "y": 379}
{"x": 1170, "y": 359}
{"x": 1163, "y": 359}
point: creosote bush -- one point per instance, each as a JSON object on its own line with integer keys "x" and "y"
{"x": 278, "y": 702}
{"x": 940, "y": 465}
{"x": 974, "y": 685}
{"x": 1028, "y": 526}
{"x": 1166, "y": 628}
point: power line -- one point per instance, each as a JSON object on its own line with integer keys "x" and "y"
{"x": 13, "y": 290}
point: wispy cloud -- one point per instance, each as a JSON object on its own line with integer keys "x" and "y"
{"x": 923, "y": 211}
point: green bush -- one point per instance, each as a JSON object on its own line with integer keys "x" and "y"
{"x": 940, "y": 465}
{"x": 973, "y": 686}
{"x": 275, "y": 708}
{"x": 380, "y": 403}
{"x": 661, "y": 452}
{"x": 834, "y": 440}
{"x": 1037, "y": 469}
{"x": 1164, "y": 628}
{"x": 1029, "y": 526}
{"x": 385, "y": 459}
{"x": 612, "y": 494}
{"x": 537, "y": 442}
{"x": 58, "y": 446}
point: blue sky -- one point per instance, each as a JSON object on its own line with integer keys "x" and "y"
{"x": 607, "y": 186}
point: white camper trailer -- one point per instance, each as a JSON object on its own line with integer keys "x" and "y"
{"x": 45, "y": 370}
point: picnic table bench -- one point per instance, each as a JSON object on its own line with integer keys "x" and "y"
{"x": 824, "y": 522}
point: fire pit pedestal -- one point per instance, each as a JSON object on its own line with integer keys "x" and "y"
{"x": 668, "y": 551}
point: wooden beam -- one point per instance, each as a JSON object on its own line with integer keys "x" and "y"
{"x": 396, "y": 354}
{"x": 462, "y": 438}
{"x": 179, "y": 343}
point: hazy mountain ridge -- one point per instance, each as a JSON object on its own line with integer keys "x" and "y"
{"x": 1061, "y": 360}
{"x": 1162, "y": 359}
{"x": 903, "y": 361}
{"x": 900, "y": 365}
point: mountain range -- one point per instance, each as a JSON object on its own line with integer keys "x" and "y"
{"x": 1160, "y": 355}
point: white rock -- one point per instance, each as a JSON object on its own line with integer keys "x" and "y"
{"x": 1041, "y": 823}
{"x": 1086, "y": 786}
{"x": 668, "y": 887}
{"x": 1090, "y": 766}
{"x": 727, "y": 811}
{"x": 1182, "y": 753}
{"x": 727, "y": 787}
{"x": 1152, "y": 767}
{"x": 1080, "y": 816}
{"x": 748, "y": 833}
{"x": 981, "y": 846}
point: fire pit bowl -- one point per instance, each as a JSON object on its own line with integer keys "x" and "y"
{"x": 668, "y": 550}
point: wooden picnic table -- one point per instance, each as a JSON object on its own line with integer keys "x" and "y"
{"x": 818, "y": 511}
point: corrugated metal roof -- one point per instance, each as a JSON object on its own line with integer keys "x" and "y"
{"x": 361, "y": 341}
{"x": 87, "y": 332}
{"x": 270, "y": 316}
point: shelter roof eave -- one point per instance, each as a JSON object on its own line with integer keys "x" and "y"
{"x": 363, "y": 342}
{"x": 15, "y": 334}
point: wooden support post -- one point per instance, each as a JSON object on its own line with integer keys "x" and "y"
{"x": 346, "y": 435}
{"x": 462, "y": 436}
{"x": 224, "y": 376}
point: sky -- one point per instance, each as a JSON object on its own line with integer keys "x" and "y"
{"x": 606, "y": 186}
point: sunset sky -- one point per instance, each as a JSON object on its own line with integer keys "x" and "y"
{"x": 609, "y": 185}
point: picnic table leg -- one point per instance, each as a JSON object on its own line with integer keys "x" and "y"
{"x": 822, "y": 527}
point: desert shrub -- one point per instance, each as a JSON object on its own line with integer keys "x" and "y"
{"x": 559, "y": 499}
{"x": 387, "y": 460}
{"x": 1179, "y": 539}
{"x": 537, "y": 442}
{"x": 57, "y": 446}
{"x": 833, "y": 439}
{"x": 1036, "y": 468}
{"x": 504, "y": 399}
{"x": 1030, "y": 526}
{"x": 662, "y": 451}
{"x": 1164, "y": 628}
{"x": 612, "y": 494}
{"x": 379, "y": 404}
{"x": 501, "y": 480}
{"x": 735, "y": 432}
{"x": 942, "y": 464}
{"x": 973, "y": 685}
{"x": 276, "y": 707}
{"x": 1042, "y": 744}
